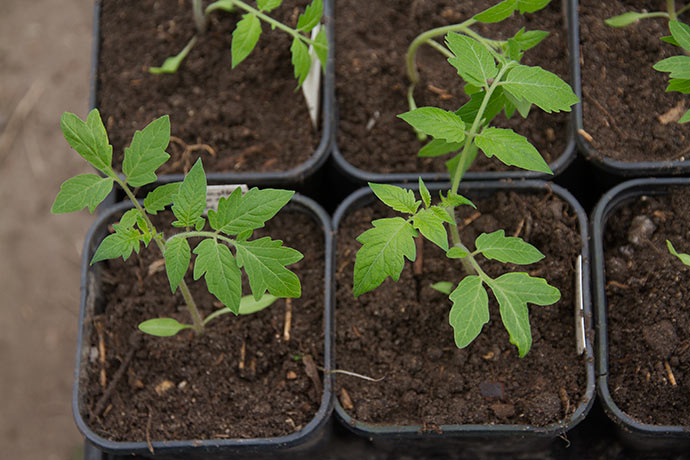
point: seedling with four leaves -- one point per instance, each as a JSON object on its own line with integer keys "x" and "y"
{"x": 248, "y": 31}
{"x": 678, "y": 67}
{"x": 496, "y": 81}
{"x": 264, "y": 260}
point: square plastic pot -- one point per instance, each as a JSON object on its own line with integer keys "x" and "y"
{"x": 310, "y": 439}
{"x": 633, "y": 433}
{"x": 415, "y": 440}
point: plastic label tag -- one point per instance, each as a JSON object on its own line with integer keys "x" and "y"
{"x": 312, "y": 84}
{"x": 215, "y": 192}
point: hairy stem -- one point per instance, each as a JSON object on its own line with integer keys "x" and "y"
{"x": 199, "y": 16}
{"x": 197, "y": 320}
{"x": 671, "y": 7}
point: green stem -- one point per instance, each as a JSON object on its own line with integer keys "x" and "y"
{"x": 216, "y": 314}
{"x": 671, "y": 7}
{"x": 199, "y": 16}
{"x": 198, "y": 322}
{"x": 683, "y": 9}
{"x": 214, "y": 235}
{"x": 459, "y": 170}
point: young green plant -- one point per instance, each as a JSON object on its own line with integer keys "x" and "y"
{"x": 264, "y": 260}
{"x": 496, "y": 82}
{"x": 678, "y": 67}
{"x": 248, "y": 31}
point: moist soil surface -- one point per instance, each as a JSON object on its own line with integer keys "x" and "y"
{"x": 371, "y": 81}
{"x": 238, "y": 120}
{"x": 648, "y": 316}
{"x": 400, "y": 331}
{"x": 240, "y": 379}
{"x": 624, "y": 98}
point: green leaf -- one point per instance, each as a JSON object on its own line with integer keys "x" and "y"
{"x": 678, "y": 66}
{"x": 470, "y": 311}
{"x": 454, "y": 200}
{"x": 160, "y": 197}
{"x": 680, "y": 85}
{"x": 513, "y": 291}
{"x": 264, "y": 260}
{"x": 431, "y": 226}
{"x": 223, "y": 278}
{"x": 436, "y": 122}
{"x": 268, "y": 5}
{"x": 89, "y": 139}
{"x": 624, "y": 19}
{"x": 685, "y": 258}
{"x": 121, "y": 243}
{"x": 497, "y": 13}
{"x": 540, "y": 87}
{"x": 301, "y": 60}
{"x": 244, "y": 38}
{"x": 670, "y": 39}
{"x": 310, "y": 17}
{"x": 442, "y": 214}
{"x": 384, "y": 248}
{"x": 445, "y": 287}
{"x": 511, "y": 148}
{"x": 249, "y": 305}
{"x": 456, "y": 253}
{"x": 513, "y": 49}
{"x": 469, "y": 111}
{"x": 685, "y": 118}
{"x": 147, "y": 152}
{"x": 472, "y": 60}
{"x": 523, "y": 107}
{"x": 438, "y": 147}
{"x": 84, "y": 190}
{"x": 177, "y": 256}
{"x": 529, "y": 39}
{"x": 173, "y": 63}
{"x": 162, "y": 327}
{"x": 238, "y": 212}
{"x": 424, "y": 192}
{"x": 497, "y": 246}
{"x": 471, "y": 89}
{"x": 321, "y": 47}
{"x": 397, "y": 198}
{"x": 530, "y": 6}
{"x": 190, "y": 201}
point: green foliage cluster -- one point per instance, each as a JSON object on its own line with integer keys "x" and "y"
{"x": 248, "y": 31}
{"x": 496, "y": 82}
{"x": 678, "y": 67}
{"x": 264, "y": 260}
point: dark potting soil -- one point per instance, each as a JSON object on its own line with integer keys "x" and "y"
{"x": 648, "y": 315}
{"x": 624, "y": 98}
{"x": 240, "y": 379}
{"x": 251, "y": 117}
{"x": 371, "y": 81}
{"x": 400, "y": 331}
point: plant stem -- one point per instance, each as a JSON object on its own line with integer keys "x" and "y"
{"x": 197, "y": 320}
{"x": 671, "y": 7}
{"x": 683, "y": 9}
{"x": 199, "y": 16}
{"x": 214, "y": 235}
{"x": 273, "y": 22}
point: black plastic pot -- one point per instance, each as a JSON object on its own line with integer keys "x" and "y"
{"x": 611, "y": 171}
{"x": 637, "y": 435}
{"x": 355, "y": 177}
{"x": 305, "y": 441}
{"x": 303, "y": 177}
{"x": 493, "y": 438}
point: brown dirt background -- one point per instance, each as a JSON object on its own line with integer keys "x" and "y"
{"x": 45, "y": 48}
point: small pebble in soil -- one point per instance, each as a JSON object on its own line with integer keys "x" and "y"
{"x": 661, "y": 338}
{"x": 492, "y": 390}
{"x": 641, "y": 229}
{"x": 503, "y": 411}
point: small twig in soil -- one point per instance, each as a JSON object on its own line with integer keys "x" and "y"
{"x": 148, "y": 431}
{"x": 419, "y": 261}
{"x": 564, "y": 400}
{"x": 134, "y": 341}
{"x": 610, "y": 120}
{"x": 671, "y": 377}
{"x": 471, "y": 219}
{"x": 345, "y": 400}
{"x": 588, "y": 137}
{"x": 351, "y": 374}
{"x": 519, "y": 228}
{"x": 185, "y": 158}
{"x": 243, "y": 352}
{"x": 101, "y": 353}
{"x": 617, "y": 284}
{"x": 288, "y": 319}
{"x": 313, "y": 373}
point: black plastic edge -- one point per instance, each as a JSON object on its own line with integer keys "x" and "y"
{"x": 364, "y": 196}
{"x": 609, "y": 165}
{"x": 219, "y": 446}
{"x": 290, "y": 178}
{"x": 611, "y": 201}
{"x": 361, "y": 177}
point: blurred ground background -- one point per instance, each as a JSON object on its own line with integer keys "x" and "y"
{"x": 45, "y": 50}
